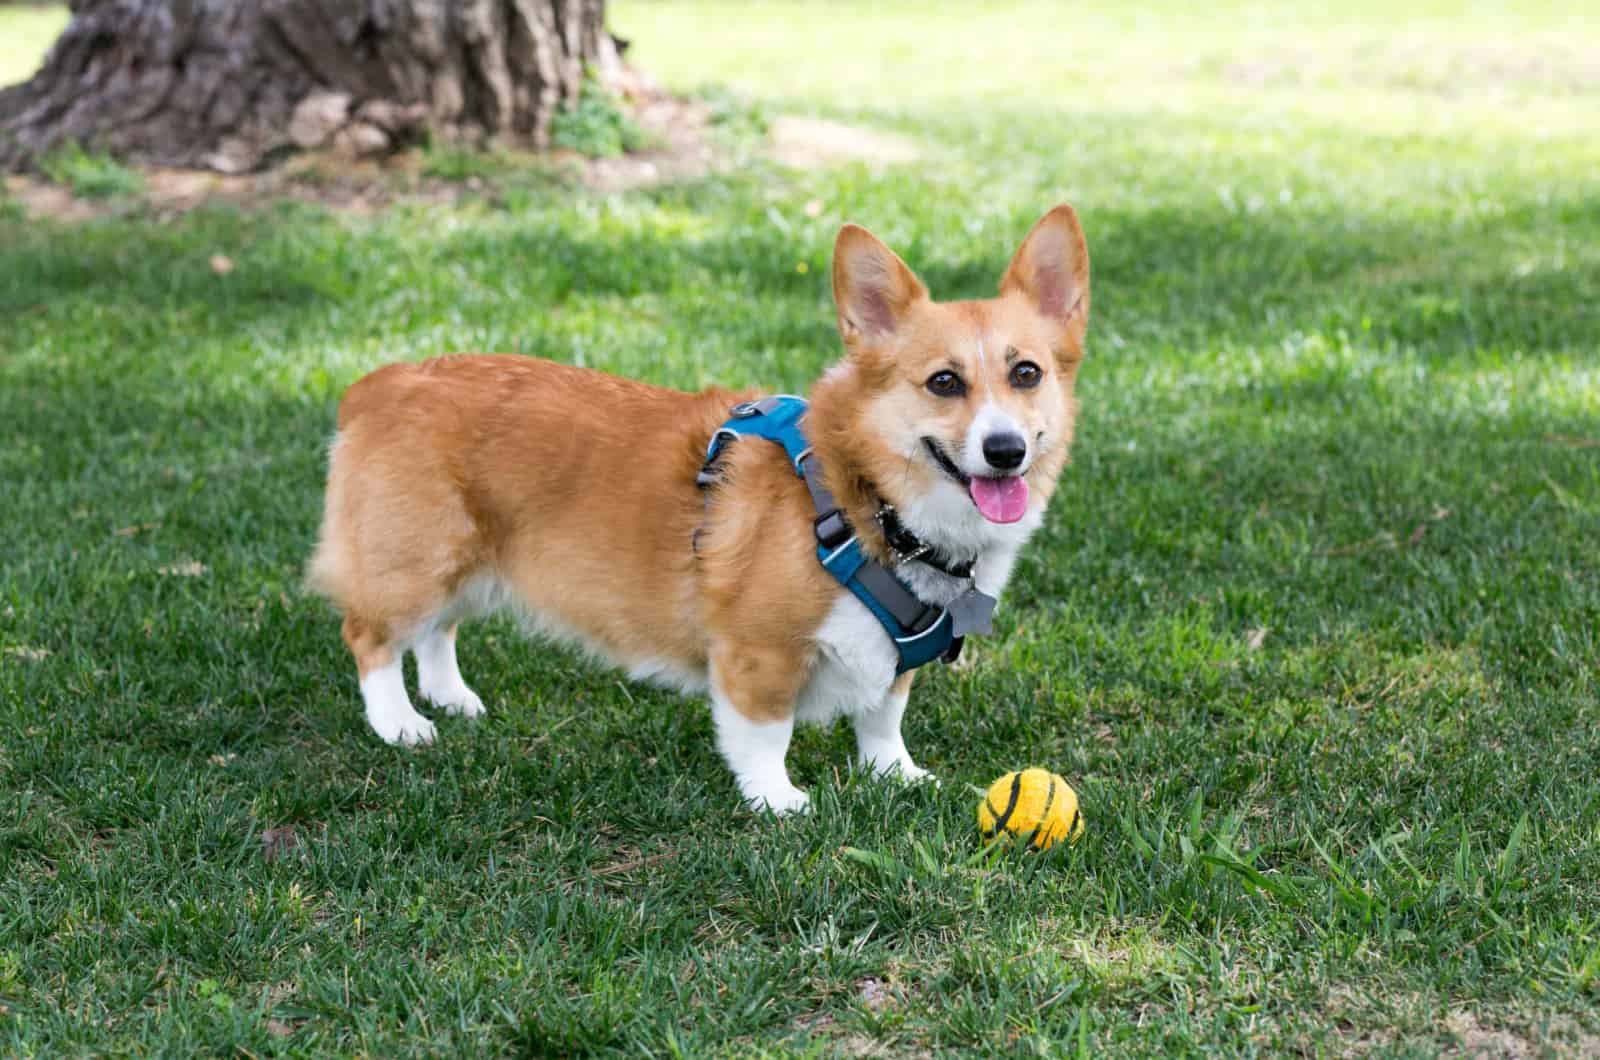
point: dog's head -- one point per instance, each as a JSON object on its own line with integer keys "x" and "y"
{"x": 963, "y": 411}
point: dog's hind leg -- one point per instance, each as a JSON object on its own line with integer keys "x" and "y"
{"x": 397, "y": 547}
{"x": 439, "y": 677}
{"x": 383, "y": 685}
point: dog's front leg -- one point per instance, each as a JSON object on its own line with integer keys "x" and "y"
{"x": 879, "y": 745}
{"x": 755, "y": 750}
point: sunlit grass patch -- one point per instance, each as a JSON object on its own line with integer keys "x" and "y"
{"x": 26, "y": 33}
{"x": 1312, "y": 626}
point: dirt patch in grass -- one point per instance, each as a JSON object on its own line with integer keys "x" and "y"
{"x": 1363, "y": 1022}
{"x": 821, "y": 1029}
{"x": 675, "y": 130}
{"x": 1475, "y": 1039}
{"x": 681, "y": 145}
{"x": 681, "y": 149}
{"x": 809, "y": 143}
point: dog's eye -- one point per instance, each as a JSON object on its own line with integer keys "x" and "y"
{"x": 1025, "y": 375}
{"x": 946, "y": 384}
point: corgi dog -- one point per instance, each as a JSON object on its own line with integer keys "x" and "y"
{"x": 468, "y": 482}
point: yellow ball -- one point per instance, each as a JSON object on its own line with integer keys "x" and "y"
{"x": 1035, "y": 803}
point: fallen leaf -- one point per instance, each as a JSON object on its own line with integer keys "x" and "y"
{"x": 1440, "y": 512}
{"x": 276, "y": 842}
{"x": 1383, "y": 539}
{"x": 222, "y": 760}
{"x": 136, "y": 528}
{"x": 631, "y": 864}
{"x": 221, "y": 264}
{"x": 1563, "y": 498}
{"x": 32, "y": 654}
{"x": 1254, "y": 639}
{"x": 1418, "y": 534}
{"x": 1573, "y": 441}
{"x": 874, "y": 995}
{"x": 279, "y": 1028}
{"x": 189, "y": 568}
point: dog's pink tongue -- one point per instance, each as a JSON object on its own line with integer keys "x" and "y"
{"x": 1001, "y": 500}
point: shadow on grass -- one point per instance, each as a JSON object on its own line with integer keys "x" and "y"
{"x": 1298, "y": 490}
{"x": 1197, "y": 278}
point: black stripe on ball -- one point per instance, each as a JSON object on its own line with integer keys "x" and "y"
{"x": 994, "y": 814}
{"x": 1000, "y": 819}
{"x": 1044, "y": 815}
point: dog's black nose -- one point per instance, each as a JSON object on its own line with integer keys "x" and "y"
{"x": 1004, "y": 451}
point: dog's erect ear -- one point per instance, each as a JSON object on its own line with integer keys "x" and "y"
{"x": 872, "y": 288}
{"x": 1051, "y": 269}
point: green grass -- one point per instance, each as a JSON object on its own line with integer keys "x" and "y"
{"x": 1342, "y": 386}
{"x": 595, "y": 125}
{"x": 91, "y": 176}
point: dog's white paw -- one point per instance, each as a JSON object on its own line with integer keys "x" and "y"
{"x": 439, "y": 676}
{"x": 895, "y": 764}
{"x": 404, "y": 730}
{"x": 460, "y": 701}
{"x": 389, "y": 710}
{"x": 908, "y": 772}
{"x": 783, "y": 801}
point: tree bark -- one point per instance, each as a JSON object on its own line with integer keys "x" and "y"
{"x": 226, "y": 84}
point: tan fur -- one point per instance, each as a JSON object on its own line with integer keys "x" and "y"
{"x": 577, "y": 490}
{"x": 575, "y": 487}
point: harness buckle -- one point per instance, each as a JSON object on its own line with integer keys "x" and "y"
{"x": 831, "y": 528}
{"x": 926, "y": 619}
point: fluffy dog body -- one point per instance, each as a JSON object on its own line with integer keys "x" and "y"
{"x": 467, "y": 482}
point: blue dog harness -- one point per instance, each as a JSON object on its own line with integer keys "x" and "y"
{"x": 921, "y": 632}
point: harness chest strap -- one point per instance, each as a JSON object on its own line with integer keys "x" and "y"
{"x": 920, "y": 631}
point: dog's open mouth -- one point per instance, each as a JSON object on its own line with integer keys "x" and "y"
{"x": 999, "y": 498}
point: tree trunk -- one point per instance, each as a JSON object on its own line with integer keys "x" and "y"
{"x": 226, "y": 84}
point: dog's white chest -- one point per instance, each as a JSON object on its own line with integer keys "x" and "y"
{"x": 855, "y": 665}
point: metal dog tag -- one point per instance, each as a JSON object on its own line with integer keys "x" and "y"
{"x": 972, "y": 612}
